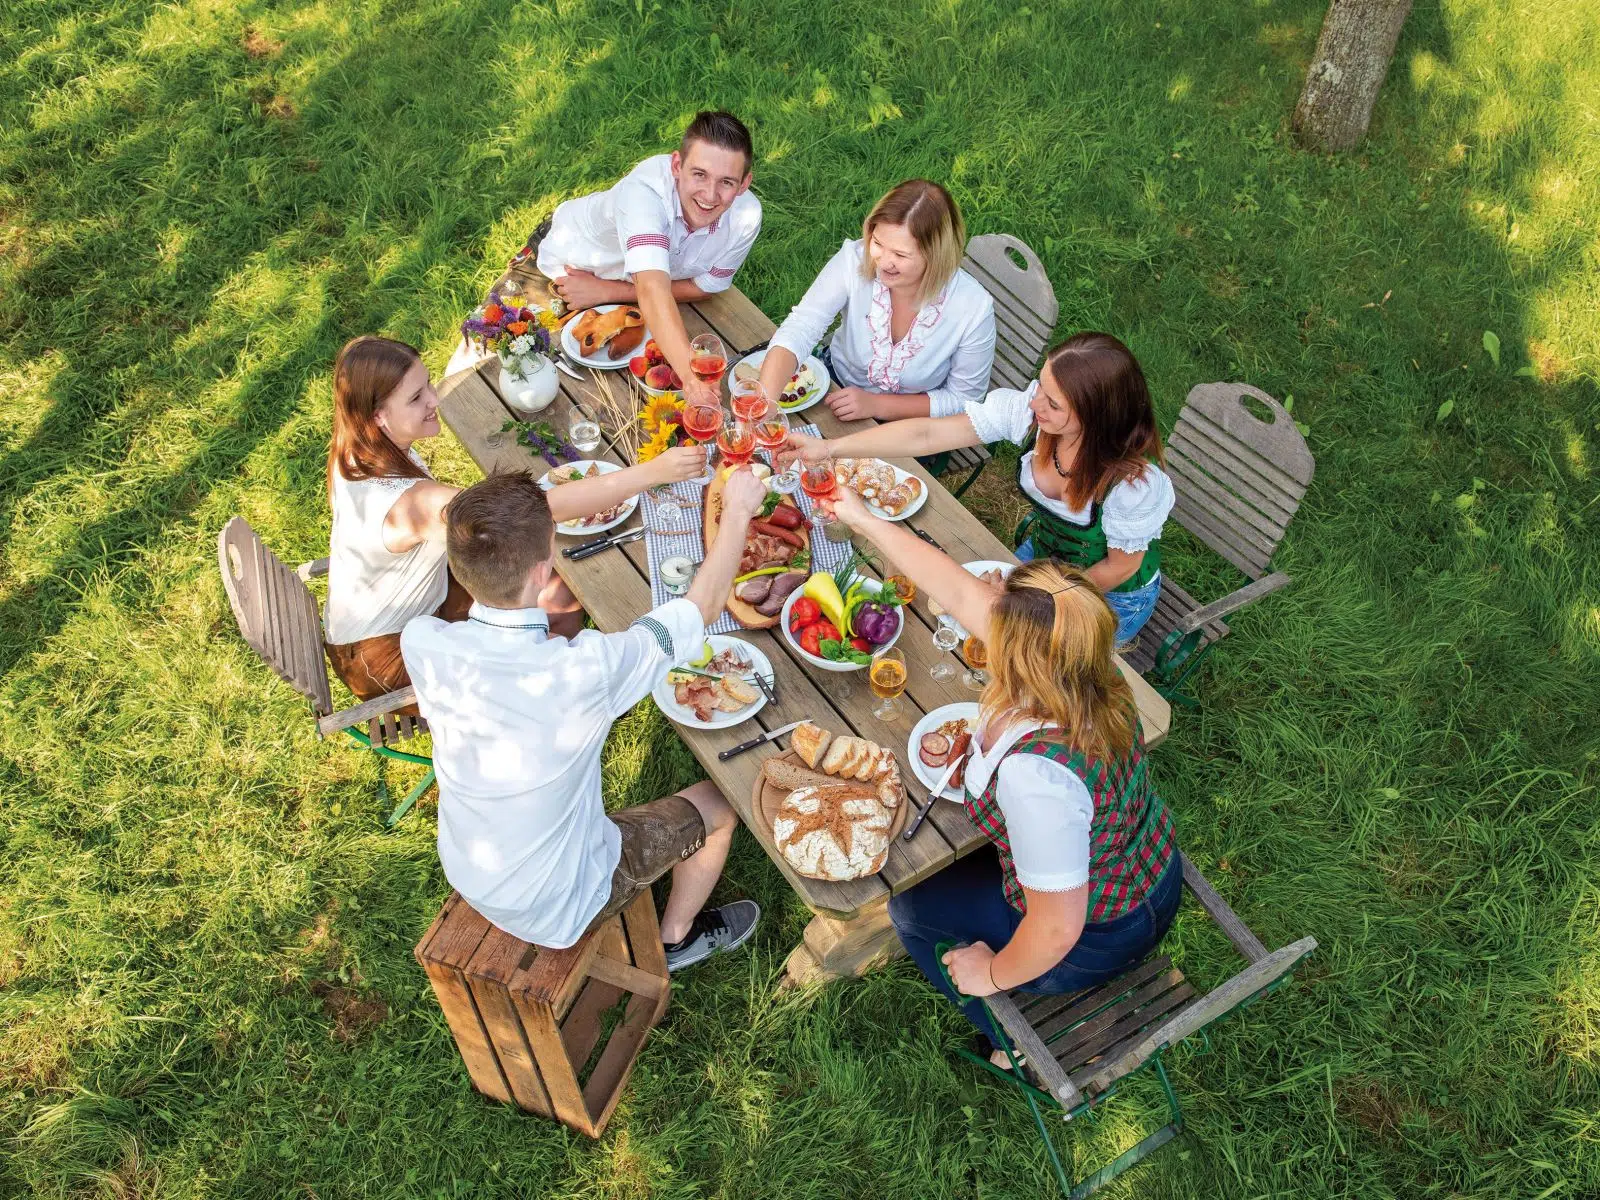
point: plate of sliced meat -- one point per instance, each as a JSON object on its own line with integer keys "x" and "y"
{"x": 943, "y": 734}
{"x": 719, "y": 692}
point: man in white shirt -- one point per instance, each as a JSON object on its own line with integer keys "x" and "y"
{"x": 519, "y": 720}
{"x": 675, "y": 229}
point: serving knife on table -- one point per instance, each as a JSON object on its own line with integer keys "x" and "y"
{"x": 934, "y": 795}
{"x": 589, "y": 549}
{"x": 725, "y": 755}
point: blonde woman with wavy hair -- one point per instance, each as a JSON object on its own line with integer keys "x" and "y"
{"x": 1083, "y": 874}
{"x": 917, "y": 335}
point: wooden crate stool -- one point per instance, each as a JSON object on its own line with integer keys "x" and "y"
{"x": 528, "y": 1020}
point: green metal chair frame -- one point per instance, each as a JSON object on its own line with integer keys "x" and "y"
{"x": 1112, "y": 1032}
{"x": 1239, "y": 481}
{"x": 278, "y": 617}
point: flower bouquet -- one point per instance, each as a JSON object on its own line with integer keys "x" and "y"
{"x": 524, "y": 340}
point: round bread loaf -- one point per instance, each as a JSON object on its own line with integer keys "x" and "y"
{"x": 835, "y": 833}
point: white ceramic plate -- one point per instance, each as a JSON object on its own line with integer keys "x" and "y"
{"x": 977, "y": 568}
{"x": 603, "y": 360}
{"x": 899, "y": 478}
{"x": 813, "y": 397}
{"x": 825, "y": 664}
{"x": 573, "y": 528}
{"x": 965, "y": 709}
{"x": 759, "y": 664}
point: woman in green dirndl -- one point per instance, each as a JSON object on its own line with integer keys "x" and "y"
{"x": 1091, "y": 469}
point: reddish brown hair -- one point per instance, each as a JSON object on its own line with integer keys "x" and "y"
{"x": 497, "y": 531}
{"x": 1102, "y": 381}
{"x": 367, "y": 370}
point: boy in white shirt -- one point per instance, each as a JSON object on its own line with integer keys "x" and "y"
{"x": 675, "y": 229}
{"x": 519, "y": 720}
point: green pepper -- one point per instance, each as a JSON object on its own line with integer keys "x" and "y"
{"x": 762, "y": 571}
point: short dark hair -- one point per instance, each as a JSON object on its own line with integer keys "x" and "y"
{"x": 720, "y": 129}
{"x": 497, "y": 532}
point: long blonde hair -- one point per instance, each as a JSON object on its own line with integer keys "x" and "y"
{"x": 1051, "y": 638}
{"x": 930, "y": 214}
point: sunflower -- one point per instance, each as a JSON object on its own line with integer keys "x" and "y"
{"x": 657, "y": 408}
{"x": 664, "y": 439}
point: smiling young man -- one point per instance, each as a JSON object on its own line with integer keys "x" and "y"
{"x": 519, "y": 721}
{"x": 675, "y": 229}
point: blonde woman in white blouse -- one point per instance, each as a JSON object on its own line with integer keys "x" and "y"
{"x": 917, "y": 335}
{"x": 1093, "y": 475}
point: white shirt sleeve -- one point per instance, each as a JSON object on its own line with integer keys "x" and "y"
{"x": 1048, "y": 812}
{"x": 807, "y": 321}
{"x": 1135, "y": 510}
{"x": 641, "y": 654}
{"x": 1003, "y": 416}
{"x": 719, "y": 277}
{"x": 643, "y": 225}
{"x": 969, "y": 368}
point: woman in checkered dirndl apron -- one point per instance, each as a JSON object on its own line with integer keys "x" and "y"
{"x": 1082, "y": 876}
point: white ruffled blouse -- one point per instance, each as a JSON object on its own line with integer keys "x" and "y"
{"x": 1134, "y": 510}
{"x": 947, "y": 353}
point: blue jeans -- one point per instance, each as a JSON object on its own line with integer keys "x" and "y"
{"x": 966, "y": 902}
{"x": 1132, "y": 609}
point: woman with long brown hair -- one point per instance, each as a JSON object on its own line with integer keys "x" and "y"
{"x": 917, "y": 335}
{"x": 1083, "y": 875}
{"x": 1092, "y": 475}
{"x": 386, "y": 555}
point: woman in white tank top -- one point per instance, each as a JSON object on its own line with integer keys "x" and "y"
{"x": 386, "y": 555}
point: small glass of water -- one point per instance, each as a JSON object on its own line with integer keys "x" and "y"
{"x": 946, "y": 639}
{"x": 585, "y": 435}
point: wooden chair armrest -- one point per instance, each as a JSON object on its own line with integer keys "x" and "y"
{"x": 362, "y": 713}
{"x": 1244, "y": 941}
{"x": 1026, "y": 1041}
{"x": 310, "y": 570}
{"x": 1208, "y": 1008}
{"x": 1230, "y": 603}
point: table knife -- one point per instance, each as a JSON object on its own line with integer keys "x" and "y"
{"x": 934, "y": 795}
{"x": 597, "y": 544}
{"x": 725, "y": 755}
{"x": 593, "y": 548}
{"x": 561, "y": 365}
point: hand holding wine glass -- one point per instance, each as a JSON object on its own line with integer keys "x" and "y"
{"x": 806, "y": 448}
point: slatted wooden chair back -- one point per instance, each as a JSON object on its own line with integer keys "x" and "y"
{"x": 1025, "y": 308}
{"x": 1238, "y": 477}
{"x": 276, "y": 612}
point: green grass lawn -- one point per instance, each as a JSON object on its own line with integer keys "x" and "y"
{"x": 206, "y": 983}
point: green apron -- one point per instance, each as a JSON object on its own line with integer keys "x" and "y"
{"x": 1081, "y": 545}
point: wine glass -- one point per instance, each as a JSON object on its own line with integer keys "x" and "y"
{"x": 772, "y": 434}
{"x": 737, "y": 441}
{"x": 585, "y": 435}
{"x": 886, "y": 676}
{"x": 707, "y": 358}
{"x": 945, "y": 638}
{"x": 746, "y": 399}
{"x": 818, "y": 482}
{"x": 703, "y": 422}
{"x": 977, "y": 656}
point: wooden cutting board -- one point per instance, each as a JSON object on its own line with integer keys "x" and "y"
{"x": 769, "y": 796}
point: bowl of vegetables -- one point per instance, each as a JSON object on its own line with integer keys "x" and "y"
{"x": 838, "y": 622}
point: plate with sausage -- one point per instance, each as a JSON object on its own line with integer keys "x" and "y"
{"x": 941, "y": 735}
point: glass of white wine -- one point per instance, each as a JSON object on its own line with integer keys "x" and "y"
{"x": 887, "y": 679}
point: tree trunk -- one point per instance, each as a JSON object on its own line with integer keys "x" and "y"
{"x": 1358, "y": 38}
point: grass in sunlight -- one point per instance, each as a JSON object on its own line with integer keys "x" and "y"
{"x": 206, "y": 981}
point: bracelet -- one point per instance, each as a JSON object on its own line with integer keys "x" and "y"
{"x": 992, "y": 983}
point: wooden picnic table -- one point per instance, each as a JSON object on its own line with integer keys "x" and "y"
{"x": 850, "y": 931}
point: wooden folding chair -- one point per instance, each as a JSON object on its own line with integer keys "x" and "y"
{"x": 1073, "y": 1052}
{"x": 278, "y": 616}
{"x": 1024, "y": 316}
{"x": 1239, "y": 479}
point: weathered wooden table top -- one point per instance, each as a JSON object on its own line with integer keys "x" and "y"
{"x": 613, "y": 586}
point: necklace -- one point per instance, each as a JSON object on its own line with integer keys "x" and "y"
{"x": 1056, "y": 462}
